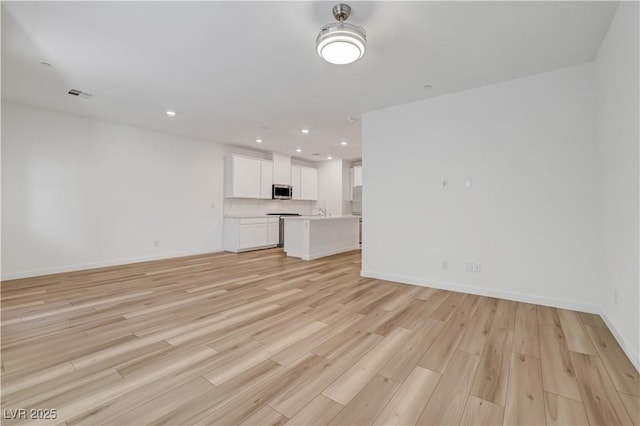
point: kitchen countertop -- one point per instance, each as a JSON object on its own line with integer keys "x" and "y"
{"x": 318, "y": 217}
{"x": 250, "y": 217}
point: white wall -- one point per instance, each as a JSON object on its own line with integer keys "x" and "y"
{"x": 531, "y": 218}
{"x": 79, "y": 193}
{"x": 330, "y": 182}
{"x": 618, "y": 136}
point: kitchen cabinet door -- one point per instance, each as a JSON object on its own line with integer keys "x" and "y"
{"x": 244, "y": 177}
{"x": 266, "y": 179}
{"x": 296, "y": 182}
{"x": 309, "y": 183}
{"x": 273, "y": 233}
{"x": 253, "y": 235}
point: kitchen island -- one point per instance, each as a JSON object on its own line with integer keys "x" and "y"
{"x": 312, "y": 237}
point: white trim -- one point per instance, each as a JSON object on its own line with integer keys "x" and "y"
{"x": 630, "y": 351}
{"x": 330, "y": 252}
{"x": 93, "y": 265}
{"x": 518, "y": 297}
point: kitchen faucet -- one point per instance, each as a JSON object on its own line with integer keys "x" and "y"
{"x": 322, "y": 211}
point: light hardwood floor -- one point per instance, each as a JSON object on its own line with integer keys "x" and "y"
{"x": 258, "y": 338}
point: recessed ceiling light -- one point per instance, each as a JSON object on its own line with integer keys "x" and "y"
{"x": 298, "y": 150}
{"x": 171, "y": 113}
{"x": 329, "y": 158}
{"x": 259, "y": 140}
{"x": 343, "y": 143}
{"x": 351, "y": 119}
{"x": 427, "y": 86}
{"x": 305, "y": 131}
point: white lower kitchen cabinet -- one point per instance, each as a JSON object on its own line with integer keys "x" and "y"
{"x": 249, "y": 233}
{"x": 273, "y": 232}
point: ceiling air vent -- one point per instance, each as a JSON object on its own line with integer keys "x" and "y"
{"x": 80, "y": 93}
{"x": 316, "y": 153}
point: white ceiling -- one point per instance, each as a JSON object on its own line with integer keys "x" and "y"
{"x": 230, "y": 68}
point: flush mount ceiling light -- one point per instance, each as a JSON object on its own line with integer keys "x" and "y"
{"x": 341, "y": 43}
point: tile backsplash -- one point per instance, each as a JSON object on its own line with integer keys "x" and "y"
{"x": 246, "y": 207}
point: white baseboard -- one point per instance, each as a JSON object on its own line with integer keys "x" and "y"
{"x": 630, "y": 351}
{"x": 518, "y": 297}
{"x": 102, "y": 264}
{"x": 330, "y": 252}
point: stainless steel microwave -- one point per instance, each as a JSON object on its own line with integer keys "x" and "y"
{"x": 281, "y": 192}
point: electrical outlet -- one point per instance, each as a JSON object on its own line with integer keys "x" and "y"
{"x": 445, "y": 264}
{"x": 468, "y": 267}
{"x": 476, "y": 267}
{"x": 445, "y": 184}
{"x": 156, "y": 243}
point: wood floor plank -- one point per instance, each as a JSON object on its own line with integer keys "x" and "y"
{"x": 266, "y": 416}
{"x": 505, "y": 316}
{"x": 548, "y": 316}
{"x": 623, "y": 374}
{"x": 318, "y": 412}
{"x": 558, "y": 375}
{"x": 525, "y": 336}
{"x": 351, "y": 382}
{"x": 477, "y": 333}
{"x": 289, "y": 403}
{"x": 576, "y": 335}
{"x": 227, "y": 371}
{"x": 448, "y": 400}
{"x": 592, "y": 320}
{"x": 449, "y": 306}
{"x": 490, "y": 383}
{"x": 410, "y": 399}
{"x": 480, "y": 412}
{"x": 600, "y": 399}
{"x": 439, "y": 354}
{"x": 368, "y": 403}
{"x": 632, "y": 404}
{"x": 525, "y": 397}
{"x": 406, "y": 358}
{"x": 563, "y": 411}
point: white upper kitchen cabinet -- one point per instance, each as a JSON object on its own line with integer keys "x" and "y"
{"x": 309, "y": 183}
{"x": 247, "y": 177}
{"x": 295, "y": 182}
{"x": 304, "y": 181}
{"x": 266, "y": 179}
